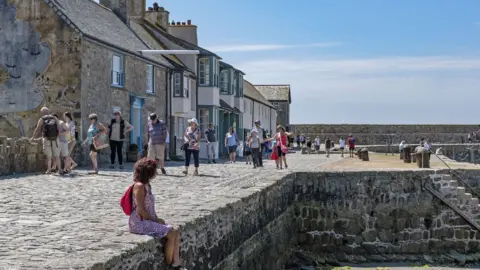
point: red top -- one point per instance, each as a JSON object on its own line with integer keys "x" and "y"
{"x": 351, "y": 142}
{"x": 283, "y": 139}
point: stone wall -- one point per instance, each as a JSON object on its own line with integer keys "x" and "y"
{"x": 375, "y": 134}
{"x": 41, "y": 67}
{"x": 100, "y": 97}
{"x": 19, "y": 156}
{"x": 338, "y": 217}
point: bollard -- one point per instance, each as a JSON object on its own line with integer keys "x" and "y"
{"x": 407, "y": 158}
{"x": 364, "y": 154}
{"x": 422, "y": 158}
{"x": 359, "y": 154}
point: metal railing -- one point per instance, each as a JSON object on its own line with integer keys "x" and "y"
{"x": 459, "y": 178}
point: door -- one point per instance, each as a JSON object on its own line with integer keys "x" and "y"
{"x": 136, "y": 121}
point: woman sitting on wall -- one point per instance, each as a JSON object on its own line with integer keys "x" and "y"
{"x": 144, "y": 219}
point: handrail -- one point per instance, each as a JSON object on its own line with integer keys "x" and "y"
{"x": 452, "y": 206}
{"x": 458, "y": 176}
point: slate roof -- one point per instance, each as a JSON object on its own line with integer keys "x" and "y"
{"x": 100, "y": 23}
{"x": 275, "y": 92}
{"x": 225, "y": 105}
{"x": 225, "y": 65}
{"x": 251, "y": 92}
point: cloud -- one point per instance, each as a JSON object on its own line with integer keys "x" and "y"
{"x": 440, "y": 89}
{"x": 266, "y": 47}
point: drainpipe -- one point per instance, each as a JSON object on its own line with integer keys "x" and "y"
{"x": 171, "y": 145}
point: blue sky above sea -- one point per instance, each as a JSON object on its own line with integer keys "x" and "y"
{"x": 351, "y": 61}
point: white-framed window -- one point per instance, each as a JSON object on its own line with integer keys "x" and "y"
{"x": 215, "y": 74}
{"x": 224, "y": 81}
{"x": 177, "y": 84}
{"x": 240, "y": 85}
{"x": 117, "y": 70}
{"x": 204, "y": 118}
{"x": 186, "y": 86}
{"x": 150, "y": 79}
{"x": 193, "y": 95}
{"x": 204, "y": 71}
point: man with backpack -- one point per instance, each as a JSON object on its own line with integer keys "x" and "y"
{"x": 50, "y": 127}
{"x": 157, "y": 134}
{"x": 262, "y": 135}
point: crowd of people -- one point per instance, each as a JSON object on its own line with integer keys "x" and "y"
{"x": 329, "y": 145}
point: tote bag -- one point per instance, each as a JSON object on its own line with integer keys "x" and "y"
{"x": 100, "y": 142}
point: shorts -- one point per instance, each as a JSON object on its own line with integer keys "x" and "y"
{"x": 93, "y": 149}
{"x": 248, "y": 153}
{"x": 64, "y": 149}
{"x": 232, "y": 149}
{"x": 317, "y": 147}
{"x": 51, "y": 148}
{"x": 341, "y": 148}
{"x": 156, "y": 151}
{"x": 351, "y": 147}
{"x": 279, "y": 151}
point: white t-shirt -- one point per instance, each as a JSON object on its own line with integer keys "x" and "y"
{"x": 342, "y": 143}
{"x": 317, "y": 141}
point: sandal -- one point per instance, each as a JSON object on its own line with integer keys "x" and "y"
{"x": 94, "y": 172}
{"x": 48, "y": 172}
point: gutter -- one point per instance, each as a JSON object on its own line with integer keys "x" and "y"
{"x": 96, "y": 40}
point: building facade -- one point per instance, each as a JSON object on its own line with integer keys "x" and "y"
{"x": 257, "y": 107}
{"x": 84, "y": 63}
{"x": 280, "y": 96}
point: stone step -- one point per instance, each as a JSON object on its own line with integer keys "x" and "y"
{"x": 468, "y": 196}
{"x": 460, "y": 191}
{"x": 447, "y": 177}
{"x": 475, "y": 202}
{"x": 453, "y": 183}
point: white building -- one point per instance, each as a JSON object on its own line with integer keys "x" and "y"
{"x": 257, "y": 107}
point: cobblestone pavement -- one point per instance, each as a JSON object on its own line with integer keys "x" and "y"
{"x": 53, "y": 222}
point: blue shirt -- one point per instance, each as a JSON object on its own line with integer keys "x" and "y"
{"x": 92, "y": 131}
{"x": 231, "y": 139}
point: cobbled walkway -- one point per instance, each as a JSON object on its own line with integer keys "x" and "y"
{"x": 52, "y": 222}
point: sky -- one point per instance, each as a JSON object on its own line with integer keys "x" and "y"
{"x": 351, "y": 61}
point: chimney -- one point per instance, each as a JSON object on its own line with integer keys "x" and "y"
{"x": 158, "y": 15}
{"x": 126, "y": 9}
{"x": 184, "y": 30}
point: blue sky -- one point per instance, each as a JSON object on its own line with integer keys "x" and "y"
{"x": 351, "y": 61}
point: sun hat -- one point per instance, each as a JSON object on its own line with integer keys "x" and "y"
{"x": 193, "y": 120}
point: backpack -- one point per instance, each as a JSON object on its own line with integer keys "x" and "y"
{"x": 126, "y": 202}
{"x": 50, "y": 128}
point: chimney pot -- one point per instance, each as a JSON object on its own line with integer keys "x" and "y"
{"x": 178, "y": 23}
{"x": 184, "y": 23}
{"x": 189, "y": 22}
{"x": 150, "y": 9}
{"x": 162, "y": 9}
{"x": 173, "y": 22}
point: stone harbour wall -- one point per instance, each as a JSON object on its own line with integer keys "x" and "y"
{"x": 344, "y": 217}
{"x": 375, "y": 134}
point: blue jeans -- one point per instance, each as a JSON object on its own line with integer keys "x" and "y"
{"x": 188, "y": 153}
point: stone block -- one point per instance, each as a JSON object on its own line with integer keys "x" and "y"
{"x": 21, "y": 164}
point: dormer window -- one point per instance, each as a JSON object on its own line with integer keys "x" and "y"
{"x": 235, "y": 84}
{"x": 224, "y": 82}
{"x": 204, "y": 71}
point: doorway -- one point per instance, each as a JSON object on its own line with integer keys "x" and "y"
{"x": 136, "y": 121}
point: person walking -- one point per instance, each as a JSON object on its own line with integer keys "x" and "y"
{"x": 298, "y": 141}
{"x": 94, "y": 131}
{"x": 281, "y": 147}
{"x": 64, "y": 138}
{"x": 192, "y": 138}
{"x": 211, "y": 138}
{"x": 49, "y": 125}
{"x": 328, "y": 145}
{"x": 341, "y": 143}
{"x": 317, "y": 144}
{"x": 157, "y": 133}
{"x": 262, "y": 135}
{"x": 231, "y": 142}
{"x": 254, "y": 143}
{"x": 144, "y": 220}
{"x": 67, "y": 116}
{"x": 117, "y": 131}
{"x": 351, "y": 145}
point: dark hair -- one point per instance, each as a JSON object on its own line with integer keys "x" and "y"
{"x": 54, "y": 114}
{"x": 145, "y": 169}
{"x": 69, "y": 115}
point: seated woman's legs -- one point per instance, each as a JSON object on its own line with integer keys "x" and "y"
{"x": 169, "y": 248}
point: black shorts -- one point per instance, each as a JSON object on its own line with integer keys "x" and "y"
{"x": 93, "y": 149}
{"x": 317, "y": 147}
{"x": 351, "y": 148}
{"x": 279, "y": 151}
{"x": 232, "y": 149}
{"x": 248, "y": 153}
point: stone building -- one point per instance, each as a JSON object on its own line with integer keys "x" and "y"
{"x": 83, "y": 62}
{"x": 280, "y": 97}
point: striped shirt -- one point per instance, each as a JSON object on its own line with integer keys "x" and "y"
{"x": 157, "y": 132}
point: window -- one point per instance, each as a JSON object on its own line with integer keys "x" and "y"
{"x": 193, "y": 95}
{"x": 204, "y": 118}
{"x": 224, "y": 81}
{"x": 186, "y": 86}
{"x": 117, "y": 70}
{"x": 150, "y": 79}
{"x": 215, "y": 75}
{"x": 204, "y": 71}
{"x": 240, "y": 85}
{"x": 245, "y": 105}
{"x": 234, "y": 84}
{"x": 177, "y": 84}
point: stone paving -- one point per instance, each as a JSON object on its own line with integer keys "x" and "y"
{"x": 52, "y": 222}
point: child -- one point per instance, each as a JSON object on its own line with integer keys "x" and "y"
{"x": 268, "y": 148}
{"x": 248, "y": 152}
{"x": 254, "y": 143}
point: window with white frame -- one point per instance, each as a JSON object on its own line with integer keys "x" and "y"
{"x": 177, "y": 84}
{"x": 234, "y": 84}
{"x": 117, "y": 70}
{"x": 150, "y": 79}
{"x": 240, "y": 85}
{"x": 224, "y": 81}
{"x": 204, "y": 71}
{"x": 193, "y": 96}
{"x": 215, "y": 76}
{"x": 204, "y": 118}
{"x": 186, "y": 86}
